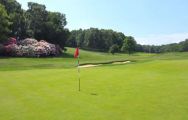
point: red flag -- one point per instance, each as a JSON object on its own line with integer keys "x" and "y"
{"x": 76, "y": 54}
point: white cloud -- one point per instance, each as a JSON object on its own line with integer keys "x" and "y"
{"x": 162, "y": 39}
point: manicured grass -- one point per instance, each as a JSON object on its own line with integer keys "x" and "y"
{"x": 155, "y": 87}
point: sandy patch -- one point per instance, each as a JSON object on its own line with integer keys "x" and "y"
{"x": 91, "y": 65}
{"x": 88, "y": 66}
{"x": 125, "y": 62}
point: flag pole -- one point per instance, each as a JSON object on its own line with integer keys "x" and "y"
{"x": 79, "y": 85}
{"x": 77, "y": 55}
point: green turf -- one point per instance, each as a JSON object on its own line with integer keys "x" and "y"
{"x": 154, "y": 87}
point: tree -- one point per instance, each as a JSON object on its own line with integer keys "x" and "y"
{"x": 37, "y": 16}
{"x": 114, "y": 49}
{"x": 54, "y": 30}
{"x": 11, "y": 6}
{"x": 95, "y": 39}
{"x": 184, "y": 45}
{"x": 71, "y": 42}
{"x": 47, "y": 25}
{"x": 4, "y": 24}
{"x": 129, "y": 45}
{"x": 17, "y": 17}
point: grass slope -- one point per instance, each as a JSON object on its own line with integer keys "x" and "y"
{"x": 65, "y": 61}
{"x": 153, "y": 88}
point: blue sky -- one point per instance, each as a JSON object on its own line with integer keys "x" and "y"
{"x": 149, "y": 21}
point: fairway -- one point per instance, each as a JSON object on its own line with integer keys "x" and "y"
{"x": 152, "y": 87}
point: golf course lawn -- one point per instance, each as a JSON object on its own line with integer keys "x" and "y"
{"x": 151, "y": 87}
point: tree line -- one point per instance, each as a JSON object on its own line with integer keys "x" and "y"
{"x": 113, "y": 42}
{"x": 36, "y": 22}
{"x": 174, "y": 47}
{"x": 101, "y": 40}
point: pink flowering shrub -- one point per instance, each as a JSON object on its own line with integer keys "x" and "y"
{"x": 11, "y": 41}
{"x": 31, "y": 48}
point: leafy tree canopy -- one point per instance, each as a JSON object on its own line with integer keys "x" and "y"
{"x": 4, "y": 24}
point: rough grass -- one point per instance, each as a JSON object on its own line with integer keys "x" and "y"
{"x": 155, "y": 87}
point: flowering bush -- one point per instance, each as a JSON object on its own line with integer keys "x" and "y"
{"x": 31, "y": 48}
{"x": 11, "y": 49}
{"x": 11, "y": 41}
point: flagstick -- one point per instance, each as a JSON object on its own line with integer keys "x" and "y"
{"x": 79, "y": 74}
